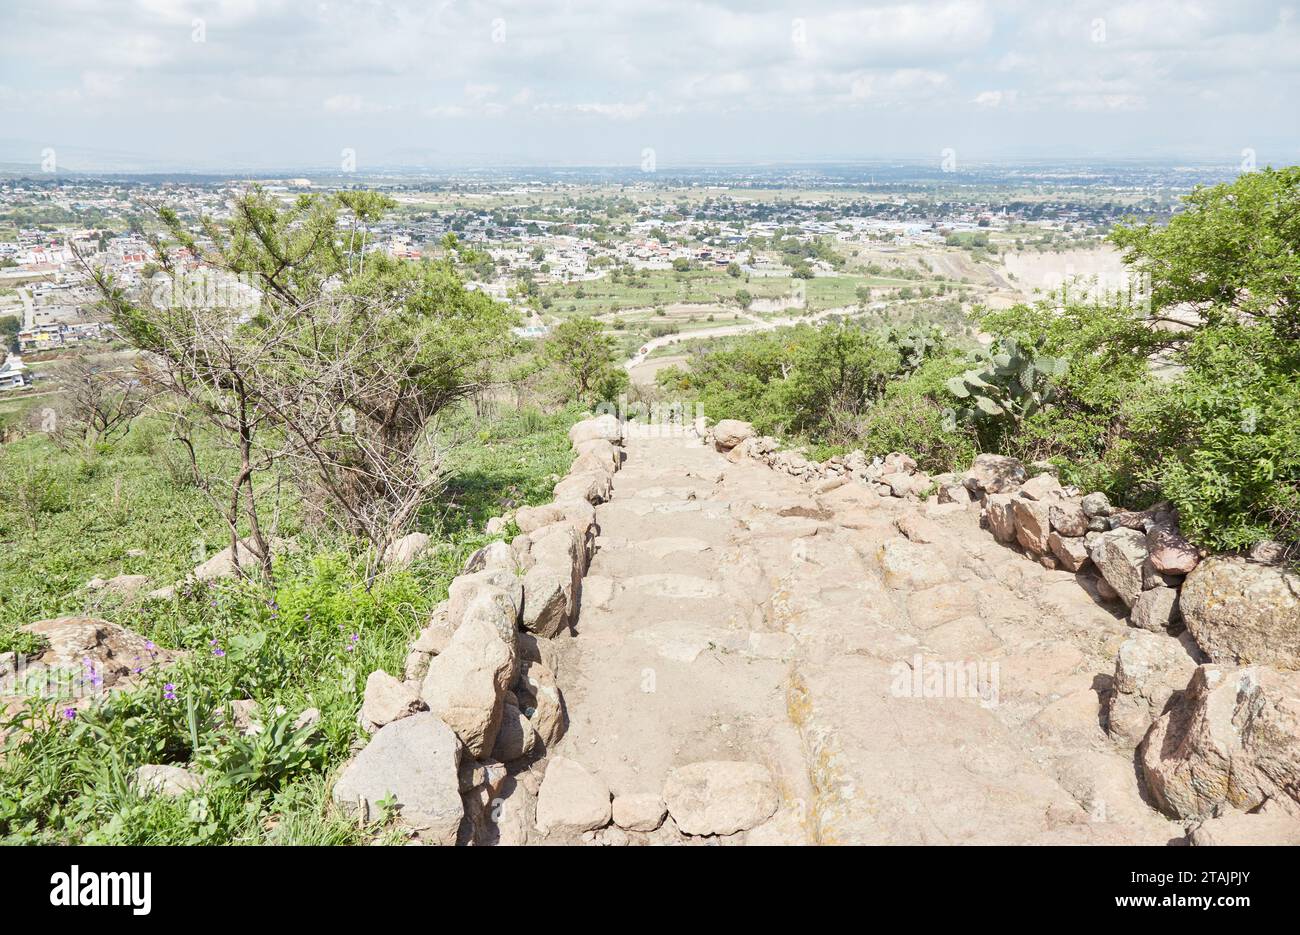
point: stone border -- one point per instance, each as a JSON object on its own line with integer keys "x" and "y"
{"x": 478, "y": 688}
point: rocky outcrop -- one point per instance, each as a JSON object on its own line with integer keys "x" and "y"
{"x": 1232, "y": 742}
{"x": 720, "y": 797}
{"x": 1150, "y": 671}
{"x": 1243, "y": 612}
{"x": 82, "y": 658}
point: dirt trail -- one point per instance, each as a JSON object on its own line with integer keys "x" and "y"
{"x": 899, "y": 691}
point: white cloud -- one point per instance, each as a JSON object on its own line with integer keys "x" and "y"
{"x": 722, "y": 67}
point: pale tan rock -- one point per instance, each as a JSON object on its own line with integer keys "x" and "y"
{"x": 515, "y": 738}
{"x": 996, "y": 474}
{"x": 720, "y": 796}
{"x": 1001, "y": 517}
{"x": 1270, "y": 826}
{"x": 1072, "y": 552}
{"x": 729, "y": 433}
{"x": 607, "y": 427}
{"x": 1042, "y": 487}
{"x": 1156, "y": 610}
{"x": 919, "y": 529}
{"x": 639, "y": 811}
{"x": 905, "y": 564}
{"x": 1068, "y": 518}
{"x": 405, "y": 550}
{"x": 542, "y": 702}
{"x": 387, "y": 699}
{"x": 466, "y": 682}
{"x": 571, "y": 799}
{"x": 1119, "y": 555}
{"x": 163, "y": 780}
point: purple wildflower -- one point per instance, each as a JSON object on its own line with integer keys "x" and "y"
{"x": 352, "y": 643}
{"x": 169, "y": 691}
{"x": 70, "y": 713}
{"x": 216, "y": 649}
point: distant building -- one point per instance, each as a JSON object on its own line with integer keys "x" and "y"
{"x": 13, "y": 374}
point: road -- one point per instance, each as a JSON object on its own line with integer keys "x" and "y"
{"x": 754, "y": 323}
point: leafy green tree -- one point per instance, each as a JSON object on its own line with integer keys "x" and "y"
{"x": 1233, "y": 254}
{"x": 585, "y": 356}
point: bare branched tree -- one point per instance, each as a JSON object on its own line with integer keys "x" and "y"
{"x": 210, "y": 359}
{"x": 96, "y": 402}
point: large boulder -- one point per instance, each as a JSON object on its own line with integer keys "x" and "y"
{"x": 606, "y": 427}
{"x": 548, "y": 600}
{"x": 1118, "y": 555}
{"x": 1244, "y": 613}
{"x": 1232, "y": 742}
{"x": 995, "y": 474}
{"x": 1070, "y": 551}
{"x": 579, "y": 512}
{"x": 729, "y": 433}
{"x": 906, "y": 484}
{"x": 572, "y": 799}
{"x": 494, "y": 556}
{"x": 592, "y": 486}
{"x": 222, "y": 565}
{"x": 1150, "y": 671}
{"x": 639, "y": 811}
{"x": 465, "y": 683}
{"x": 516, "y": 738}
{"x": 498, "y": 583}
{"x": 91, "y": 655}
{"x": 720, "y": 796}
{"x": 1096, "y": 504}
{"x": 413, "y": 762}
{"x": 1042, "y": 487}
{"x": 1068, "y": 518}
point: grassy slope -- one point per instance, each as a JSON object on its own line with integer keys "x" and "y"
{"x": 309, "y": 642}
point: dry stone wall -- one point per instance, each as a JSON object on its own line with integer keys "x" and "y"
{"x": 478, "y": 688}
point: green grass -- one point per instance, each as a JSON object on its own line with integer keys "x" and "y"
{"x": 307, "y": 642}
{"x": 709, "y": 287}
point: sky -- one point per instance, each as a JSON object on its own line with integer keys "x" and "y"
{"x": 153, "y": 84}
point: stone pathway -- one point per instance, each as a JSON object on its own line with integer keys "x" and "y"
{"x": 932, "y": 687}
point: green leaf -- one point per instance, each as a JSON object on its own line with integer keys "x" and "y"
{"x": 957, "y": 387}
{"x": 988, "y": 406}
